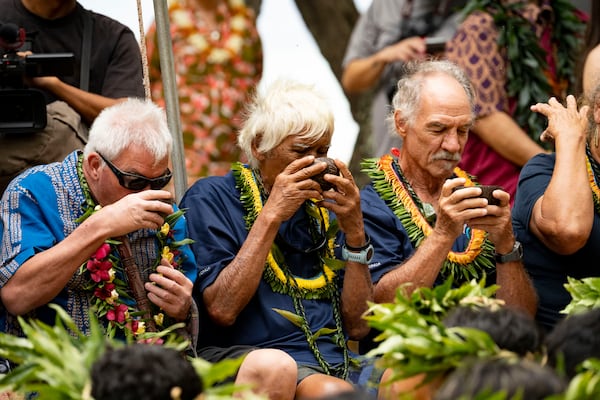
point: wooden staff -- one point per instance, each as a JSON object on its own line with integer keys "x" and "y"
{"x": 135, "y": 282}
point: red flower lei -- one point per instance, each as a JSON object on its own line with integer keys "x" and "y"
{"x": 110, "y": 296}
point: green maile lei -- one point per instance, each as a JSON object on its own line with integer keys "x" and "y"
{"x": 526, "y": 76}
{"x": 276, "y": 273}
{"x": 391, "y": 185}
{"x": 593, "y": 170}
{"x": 109, "y": 294}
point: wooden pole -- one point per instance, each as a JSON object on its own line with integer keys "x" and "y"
{"x": 135, "y": 282}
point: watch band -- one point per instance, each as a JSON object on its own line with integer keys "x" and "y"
{"x": 516, "y": 254}
{"x": 361, "y": 248}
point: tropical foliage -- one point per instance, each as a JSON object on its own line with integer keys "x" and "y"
{"x": 413, "y": 339}
{"x": 55, "y": 361}
{"x": 585, "y": 294}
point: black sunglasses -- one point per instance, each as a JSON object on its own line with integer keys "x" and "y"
{"x": 138, "y": 182}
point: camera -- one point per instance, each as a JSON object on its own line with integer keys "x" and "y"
{"x": 435, "y": 45}
{"x": 486, "y": 193}
{"x": 23, "y": 109}
{"x": 331, "y": 169}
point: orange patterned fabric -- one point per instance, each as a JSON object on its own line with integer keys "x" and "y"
{"x": 216, "y": 71}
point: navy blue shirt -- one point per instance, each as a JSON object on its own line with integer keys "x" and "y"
{"x": 389, "y": 237}
{"x": 215, "y": 217}
{"x": 547, "y": 269}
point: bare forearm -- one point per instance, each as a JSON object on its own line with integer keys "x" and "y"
{"x": 41, "y": 278}
{"x": 515, "y": 287}
{"x": 563, "y": 218}
{"x": 87, "y": 104}
{"x": 362, "y": 74}
{"x": 501, "y": 133}
{"x": 420, "y": 270}
{"x": 238, "y": 282}
{"x": 358, "y": 290}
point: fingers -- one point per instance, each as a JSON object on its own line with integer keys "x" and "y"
{"x": 137, "y": 211}
{"x": 170, "y": 290}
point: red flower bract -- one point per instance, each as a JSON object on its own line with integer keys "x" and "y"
{"x": 102, "y": 251}
{"x": 99, "y": 270}
{"x": 104, "y": 292}
{"x": 117, "y": 313}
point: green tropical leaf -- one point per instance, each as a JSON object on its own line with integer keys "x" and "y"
{"x": 290, "y": 316}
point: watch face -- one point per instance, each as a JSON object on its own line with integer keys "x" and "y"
{"x": 370, "y": 253}
{"x": 515, "y": 255}
{"x": 363, "y": 257}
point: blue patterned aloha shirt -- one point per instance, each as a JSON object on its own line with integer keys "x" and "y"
{"x": 38, "y": 210}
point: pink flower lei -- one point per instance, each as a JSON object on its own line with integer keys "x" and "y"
{"x": 110, "y": 297}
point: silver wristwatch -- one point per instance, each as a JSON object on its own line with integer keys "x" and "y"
{"x": 362, "y": 255}
{"x": 516, "y": 254}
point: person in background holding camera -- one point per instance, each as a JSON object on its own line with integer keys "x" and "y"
{"x": 269, "y": 252}
{"x": 73, "y": 100}
{"x": 58, "y": 217}
{"x": 423, "y": 226}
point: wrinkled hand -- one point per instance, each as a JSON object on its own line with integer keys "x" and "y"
{"x": 135, "y": 211}
{"x": 293, "y": 186}
{"x": 456, "y": 208}
{"x": 170, "y": 290}
{"x": 478, "y": 214}
{"x": 563, "y": 122}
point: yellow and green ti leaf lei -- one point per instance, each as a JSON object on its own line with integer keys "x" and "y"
{"x": 322, "y": 286}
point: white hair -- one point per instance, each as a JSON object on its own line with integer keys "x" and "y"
{"x": 134, "y": 122}
{"x": 410, "y": 87}
{"x": 286, "y": 108}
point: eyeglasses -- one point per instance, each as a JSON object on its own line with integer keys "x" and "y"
{"x": 138, "y": 182}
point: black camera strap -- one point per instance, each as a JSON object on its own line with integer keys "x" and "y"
{"x": 86, "y": 50}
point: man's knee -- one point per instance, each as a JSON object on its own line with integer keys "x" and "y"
{"x": 272, "y": 372}
{"x": 270, "y": 361}
{"x": 321, "y": 385}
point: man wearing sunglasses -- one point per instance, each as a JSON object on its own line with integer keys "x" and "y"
{"x": 55, "y": 218}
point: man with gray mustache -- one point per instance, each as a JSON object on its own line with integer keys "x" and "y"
{"x": 427, "y": 219}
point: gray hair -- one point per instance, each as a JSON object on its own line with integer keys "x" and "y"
{"x": 409, "y": 88}
{"x": 133, "y": 122}
{"x": 593, "y": 100}
{"x": 286, "y": 108}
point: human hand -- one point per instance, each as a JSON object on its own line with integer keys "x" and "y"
{"x": 497, "y": 221}
{"x": 457, "y": 206}
{"x": 409, "y": 49}
{"x": 345, "y": 203}
{"x": 293, "y": 186}
{"x": 145, "y": 209}
{"x": 170, "y": 290}
{"x": 563, "y": 122}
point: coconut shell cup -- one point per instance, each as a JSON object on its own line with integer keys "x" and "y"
{"x": 486, "y": 193}
{"x": 331, "y": 169}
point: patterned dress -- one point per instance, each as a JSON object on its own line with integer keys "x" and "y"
{"x": 216, "y": 71}
{"x": 475, "y": 49}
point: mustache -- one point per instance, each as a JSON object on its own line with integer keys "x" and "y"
{"x": 446, "y": 156}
